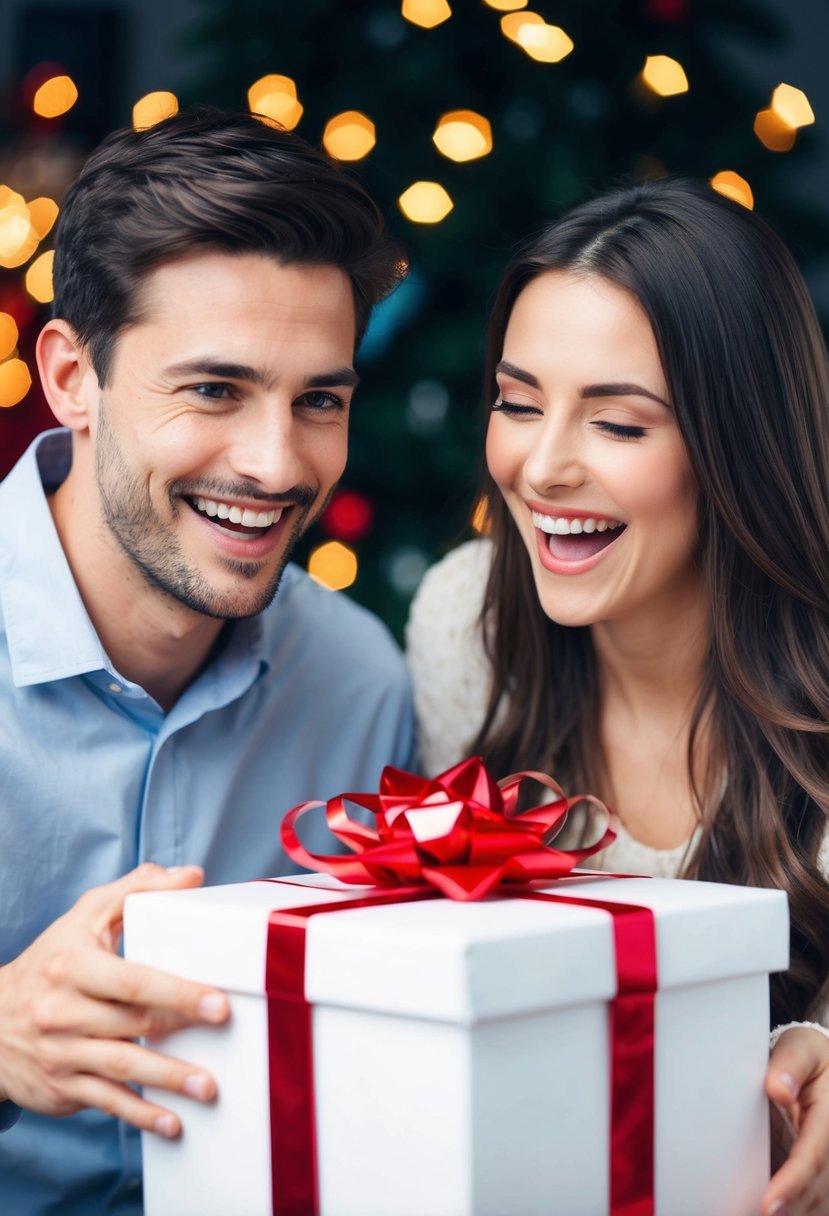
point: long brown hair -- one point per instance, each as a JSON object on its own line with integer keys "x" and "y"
{"x": 746, "y": 368}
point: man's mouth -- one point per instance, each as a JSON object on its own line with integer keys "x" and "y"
{"x": 575, "y": 540}
{"x": 236, "y": 521}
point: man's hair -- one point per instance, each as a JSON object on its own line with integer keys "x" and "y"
{"x": 208, "y": 180}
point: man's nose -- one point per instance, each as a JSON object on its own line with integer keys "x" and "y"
{"x": 266, "y": 449}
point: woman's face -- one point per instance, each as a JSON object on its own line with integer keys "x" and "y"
{"x": 584, "y": 446}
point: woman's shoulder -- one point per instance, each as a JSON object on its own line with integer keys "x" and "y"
{"x": 446, "y": 656}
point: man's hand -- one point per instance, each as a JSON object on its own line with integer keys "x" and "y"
{"x": 797, "y": 1081}
{"x": 69, "y": 1006}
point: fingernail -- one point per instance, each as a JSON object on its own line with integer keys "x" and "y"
{"x": 213, "y": 1007}
{"x": 166, "y": 1125}
{"x": 197, "y": 1085}
{"x": 181, "y": 869}
{"x": 788, "y": 1080}
{"x": 778, "y": 1208}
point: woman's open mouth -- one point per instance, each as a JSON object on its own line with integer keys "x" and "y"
{"x": 577, "y": 540}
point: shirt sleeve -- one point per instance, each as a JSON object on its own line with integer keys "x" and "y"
{"x": 9, "y": 1114}
{"x": 450, "y": 673}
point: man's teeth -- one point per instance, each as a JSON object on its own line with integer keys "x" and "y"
{"x": 246, "y": 517}
{"x": 559, "y": 526}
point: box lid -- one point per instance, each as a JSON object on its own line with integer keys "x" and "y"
{"x": 460, "y": 962}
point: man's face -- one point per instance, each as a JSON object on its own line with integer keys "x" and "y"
{"x": 222, "y": 428}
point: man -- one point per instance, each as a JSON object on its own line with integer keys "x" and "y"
{"x": 168, "y": 687}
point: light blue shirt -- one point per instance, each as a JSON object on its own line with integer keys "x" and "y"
{"x": 305, "y": 701}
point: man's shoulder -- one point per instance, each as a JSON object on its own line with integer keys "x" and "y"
{"x": 334, "y": 629}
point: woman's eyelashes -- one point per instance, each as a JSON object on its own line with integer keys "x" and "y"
{"x": 620, "y": 431}
{"x": 512, "y": 407}
{"x": 616, "y": 430}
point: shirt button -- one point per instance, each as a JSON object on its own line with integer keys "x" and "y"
{"x": 115, "y": 687}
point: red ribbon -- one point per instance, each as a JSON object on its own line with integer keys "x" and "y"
{"x": 460, "y": 835}
{"x": 459, "y": 832}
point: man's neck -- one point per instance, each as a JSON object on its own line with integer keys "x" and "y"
{"x": 150, "y": 638}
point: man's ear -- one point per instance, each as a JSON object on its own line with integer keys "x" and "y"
{"x": 68, "y": 378}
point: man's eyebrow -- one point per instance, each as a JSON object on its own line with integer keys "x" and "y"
{"x": 622, "y": 390}
{"x": 509, "y": 369}
{"x": 340, "y": 377}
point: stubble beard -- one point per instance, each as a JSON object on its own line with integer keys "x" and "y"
{"x": 154, "y": 550}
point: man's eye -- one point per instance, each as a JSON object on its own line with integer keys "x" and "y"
{"x": 321, "y": 401}
{"x": 213, "y": 392}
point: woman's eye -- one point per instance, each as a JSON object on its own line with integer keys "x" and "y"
{"x": 321, "y": 401}
{"x": 515, "y": 410}
{"x": 619, "y": 431}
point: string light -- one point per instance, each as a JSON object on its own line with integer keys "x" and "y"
{"x": 334, "y": 565}
{"x": 349, "y": 136}
{"x": 426, "y": 13}
{"x": 463, "y": 135}
{"x": 773, "y": 133}
{"x": 39, "y": 278}
{"x": 664, "y": 76}
{"x": 425, "y": 203}
{"x": 15, "y": 382}
{"x": 153, "y": 108}
{"x": 8, "y": 335}
{"x": 733, "y": 186}
{"x": 275, "y": 97}
{"x": 792, "y": 107}
{"x": 55, "y": 97}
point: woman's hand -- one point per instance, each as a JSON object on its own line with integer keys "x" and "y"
{"x": 797, "y": 1082}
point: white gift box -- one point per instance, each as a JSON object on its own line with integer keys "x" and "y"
{"x": 461, "y": 1050}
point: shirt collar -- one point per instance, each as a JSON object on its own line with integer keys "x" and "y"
{"x": 50, "y": 635}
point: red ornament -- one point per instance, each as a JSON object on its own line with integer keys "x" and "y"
{"x": 349, "y": 516}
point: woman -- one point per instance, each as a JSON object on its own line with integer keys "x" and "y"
{"x": 649, "y": 618}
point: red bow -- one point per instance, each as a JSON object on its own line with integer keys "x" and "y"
{"x": 459, "y": 832}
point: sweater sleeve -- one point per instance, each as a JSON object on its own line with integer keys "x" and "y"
{"x": 444, "y": 649}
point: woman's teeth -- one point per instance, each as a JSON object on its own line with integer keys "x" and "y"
{"x": 559, "y": 526}
{"x": 235, "y": 515}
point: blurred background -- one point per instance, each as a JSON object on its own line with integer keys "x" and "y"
{"x": 472, "y": 122}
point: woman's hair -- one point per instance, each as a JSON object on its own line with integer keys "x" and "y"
{"x": 746, "y": 369}
{"x": 207, "y": 180}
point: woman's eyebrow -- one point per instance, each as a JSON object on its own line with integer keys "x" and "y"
{"x": 622, "y": 390}
{"x": 517, "y": 373}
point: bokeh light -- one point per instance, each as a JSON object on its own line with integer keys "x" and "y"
{"x": 480, "y": 517}
{"x": 275, "y": 97}
{"x": 8, "y": 335}
{"x": 348, "y": 516}
{"x": 514, "y": 23}
{"x": 42, "y": 212}
{"x": 792, "y": 107}
{"x": 425, "y": 203}
{"x": 463, "y": 135}
{"x": 334, "y": 565}
{"x": 546, "y": 43}
{"x": 664, "y": 76}
{"x": 153, "y": 108}
{"x": 349, "y": 136}
{"x": 733, "y": 186}
{"x": 55, "y": 97}
{"x": 15, "y": 382}
{"x": 426, "y": 13}
{"x": 18, "y": 238}
{"x": 773, "y": 133}
{"x": 39, "y": 278}
{"x": 506, "y": 6}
